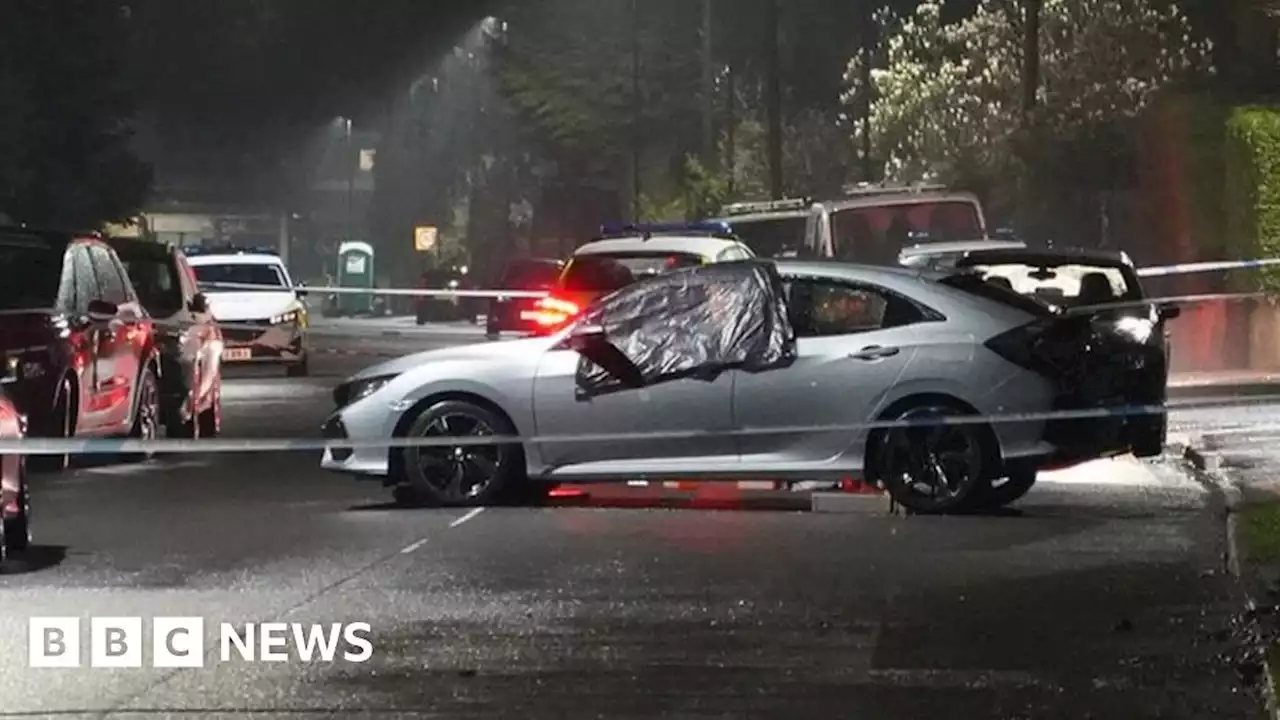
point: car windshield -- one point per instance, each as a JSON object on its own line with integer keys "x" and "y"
{"x": 607, "y": 273}
{"x": 1069, "y": 285}
{"x": 36, "y": 286}
{"x": 155, "y": 278}
{"x": 774, "y": 237}
{"x": 878, "y": 234}
{"x": 268, "y": 277}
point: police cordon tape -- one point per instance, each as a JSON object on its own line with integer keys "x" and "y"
{"x": 43, "y": 446}
{"x": 1189, "y": 268}
{"x": 394, "y": 292}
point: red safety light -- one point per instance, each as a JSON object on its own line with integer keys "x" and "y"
{"x": 552, "y": 312}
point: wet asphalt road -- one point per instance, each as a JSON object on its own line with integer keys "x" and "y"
{"x": 1104, "y": 597}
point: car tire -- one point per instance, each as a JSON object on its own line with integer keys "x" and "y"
{"x": 15, "y": 534}
{"x": 301, "y": 368}
{"x": 209, "y": 422}
{"x": 994, "y": 494}
{"x": 461, "y": 476}
{"x": 61, "y": 427}
{"x": 146, "y": 415}
{"x": 908, "y": 457}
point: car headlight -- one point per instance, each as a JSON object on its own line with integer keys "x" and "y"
{"x": 289, "y": 318}
{"x": 357, "y": 390}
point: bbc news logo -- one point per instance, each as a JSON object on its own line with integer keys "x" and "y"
{"x": 179, "y": 642}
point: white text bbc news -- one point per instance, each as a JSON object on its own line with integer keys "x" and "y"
{"x": 179, "y": 642}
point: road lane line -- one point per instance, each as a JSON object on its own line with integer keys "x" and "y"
{"x": 413, "y": 547}
{"x": 466, "y": 518}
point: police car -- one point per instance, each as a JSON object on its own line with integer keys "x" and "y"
{"x": 624, "y": 254}
{"x": 261, "y": 312}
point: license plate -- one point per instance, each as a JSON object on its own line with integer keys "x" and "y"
{"x": 237, "y": 354}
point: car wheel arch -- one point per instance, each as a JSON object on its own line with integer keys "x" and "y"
{"x": 902, "y": 405}
{"x": 408, "y": 417}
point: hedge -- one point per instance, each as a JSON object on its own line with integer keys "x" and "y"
{"x": 1251, "y": 192}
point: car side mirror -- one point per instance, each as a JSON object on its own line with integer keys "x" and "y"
{"x": 199, "y": 304}
{"x": 102, "y": 311}
{"x": 300, "y": 293}
{"x": 591, "y": 342}
{"x": 1169, "y": 312}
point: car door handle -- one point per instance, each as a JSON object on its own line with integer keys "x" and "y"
{"x": 875, "y": 352}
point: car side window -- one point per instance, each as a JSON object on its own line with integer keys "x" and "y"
{"x": 86, "y": 280}
{"x": 111, "y": 284}
{"x": 820, "y": 308}
{"x": 732, "y": 254}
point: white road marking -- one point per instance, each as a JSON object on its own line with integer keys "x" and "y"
{"x": 135, "y": 469}
{"x": 466, "y": 518}
{"x": 413, "y": 547}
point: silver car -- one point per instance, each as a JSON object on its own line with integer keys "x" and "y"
{"x": 764, "y": 369}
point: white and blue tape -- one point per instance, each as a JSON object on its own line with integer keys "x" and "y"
{"x": 41, "y": 446}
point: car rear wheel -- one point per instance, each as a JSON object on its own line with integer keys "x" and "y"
{"x": 61, "y": 427}
{"x": 146, "y": 416}
{"x": 931, "y": 466}
{"x": 15, "y": 534}
{"x": 461, "y": 475}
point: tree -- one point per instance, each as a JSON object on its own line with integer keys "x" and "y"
{"x": 65, "y": 132}
{"x": 948, "y": 101}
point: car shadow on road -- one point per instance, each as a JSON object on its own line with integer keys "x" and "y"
{"x": 34, "y": 559}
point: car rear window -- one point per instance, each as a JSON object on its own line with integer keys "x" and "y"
{"x": 774, "y": 237}
{"x": 607, "y": 273}
{"x": 530, "y": 275}
{"x": 156, "y": 280}
{"x": 878, "y": 234}
{"x": 1067, "y": 285}
{"x": 36, "y": 286}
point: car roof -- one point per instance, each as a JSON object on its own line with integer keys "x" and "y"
{"x": 903, "y": 197}
{"x": 704, "y": 245}
{"x": 234, "y": 258}
{"x": 54, "y": 239}
{"x": 139, "y": 247}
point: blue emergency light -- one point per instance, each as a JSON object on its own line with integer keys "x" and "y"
{"x": 647, "y": 229}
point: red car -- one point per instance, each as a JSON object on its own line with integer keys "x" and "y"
{"x": 15, "y": 498}
{"x": 78, "y": 351}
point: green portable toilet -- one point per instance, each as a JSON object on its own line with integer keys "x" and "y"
{"x": 355, "y": 270}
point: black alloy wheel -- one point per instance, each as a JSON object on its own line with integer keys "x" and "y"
{"x": 933, "y": 461}
{"x": 461, "y": 475}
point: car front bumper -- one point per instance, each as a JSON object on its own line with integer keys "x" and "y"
{"x": 249, "y": 342}
{"x": 365, "y": 421}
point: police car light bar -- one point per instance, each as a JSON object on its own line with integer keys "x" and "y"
{"x": 647, "y": 229}
{"x": 193, "y": 250}
{"x": 749, "y": 208}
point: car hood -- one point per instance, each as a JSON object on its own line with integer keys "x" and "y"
{"x": 232, "y": 306}
{"x": 493, "y": 351}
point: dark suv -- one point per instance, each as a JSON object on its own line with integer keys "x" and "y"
{"x": 187, "y": 336}
{"x": 77, "y": 350}
{"x": 513, "y": 314}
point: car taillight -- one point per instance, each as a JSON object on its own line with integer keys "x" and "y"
{"x": 552, "y": 312}
{"x": 1050, "y": 347}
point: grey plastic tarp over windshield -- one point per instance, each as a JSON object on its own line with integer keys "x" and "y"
{"x": 695, "y": 323}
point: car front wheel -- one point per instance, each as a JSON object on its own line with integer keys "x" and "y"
{"x": 463, "y": 475}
